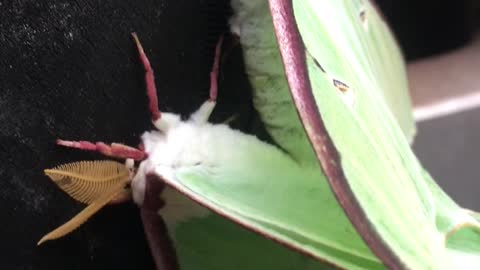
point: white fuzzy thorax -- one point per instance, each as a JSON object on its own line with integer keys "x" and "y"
{"x": 184, "y": 144}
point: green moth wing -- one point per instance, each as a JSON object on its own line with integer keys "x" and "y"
{"x": 252, "y": 186}
{"x": 210, "y": 241}
{"x": 367, "y": 160}
{"x": 338, "y": 60}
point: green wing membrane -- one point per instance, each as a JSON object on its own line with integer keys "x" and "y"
{"x": 213, "y": 242}
{"x": 265, "y": 190}
{"x": 403, "y": 205}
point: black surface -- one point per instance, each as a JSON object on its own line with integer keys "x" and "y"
{"x": 429, "y": 27}
{"x": 69, "y": 69}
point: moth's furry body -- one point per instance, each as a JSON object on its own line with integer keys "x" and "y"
{"x": 179, "y": 145}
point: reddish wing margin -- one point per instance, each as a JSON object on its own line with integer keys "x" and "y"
{"x": 293, "y": 55}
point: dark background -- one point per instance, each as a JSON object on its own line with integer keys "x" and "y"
{"x": 69, "y": 69}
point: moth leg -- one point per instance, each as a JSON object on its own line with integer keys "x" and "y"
{"x": 214, "y": 71}
{"x": 115, "y": 150}
{"x": 203, "y": 113}
{"x": 161, "y": 121}
{"x": 149, "y": 81}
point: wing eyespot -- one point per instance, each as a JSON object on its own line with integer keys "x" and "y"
{"x": 363, "y": 18}
{"x": 347, "y": 93}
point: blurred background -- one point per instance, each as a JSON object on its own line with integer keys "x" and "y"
{"x": 69, "y": 69}
{"x": 441, "y": 43}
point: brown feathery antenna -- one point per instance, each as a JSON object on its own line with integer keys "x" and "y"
{"x": 85, "y": 181}
{"x": 84, "y": 215}
{"x": 96, "y": 183}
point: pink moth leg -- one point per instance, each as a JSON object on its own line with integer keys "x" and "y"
{"x": 116, "y": 150}
{"x": 203, "y": 113}
{"x": 214, "y": 72}
{"x": 149, "y": 81}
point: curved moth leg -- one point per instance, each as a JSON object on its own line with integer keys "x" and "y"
{"x": 116, "y": 150}
{"x": 203, "y": 113}
{"x": 149, "y": 81}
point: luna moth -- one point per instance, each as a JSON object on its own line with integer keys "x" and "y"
{"x": 340, "y": 185}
